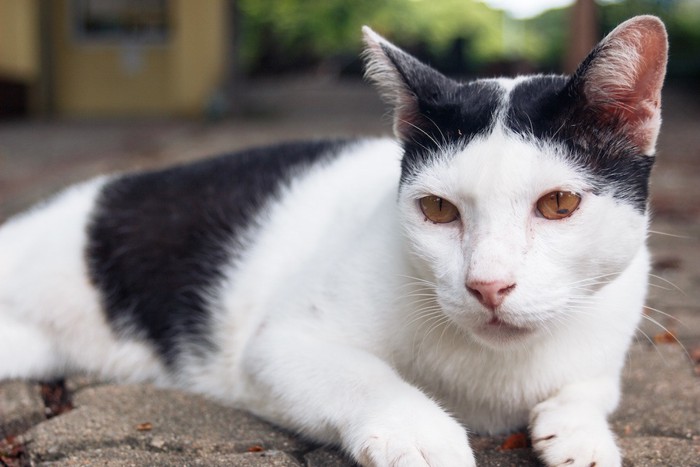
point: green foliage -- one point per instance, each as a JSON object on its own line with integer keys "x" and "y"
{"x": 546, "y": 36}
{"x": 299, "y": 31}
{"x": 682, "y": 19}
{"x": 280, "y": 35}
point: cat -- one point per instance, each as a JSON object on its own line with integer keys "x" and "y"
{"x": 485, "y": 270}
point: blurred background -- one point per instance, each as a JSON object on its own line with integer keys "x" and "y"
{"x": 98, "y": 86}
{"x": 136, "y": 58}
{"x": 88, "y": 86}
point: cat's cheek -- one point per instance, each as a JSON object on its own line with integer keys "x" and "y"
{"x": 612, "y": 234}
{"x": 437, "y": 247}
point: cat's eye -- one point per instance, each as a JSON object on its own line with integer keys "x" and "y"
{"x": 558, "y": 204}
{"x": 438, "y": 210}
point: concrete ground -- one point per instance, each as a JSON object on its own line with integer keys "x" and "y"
{"x": 88, "y": 422}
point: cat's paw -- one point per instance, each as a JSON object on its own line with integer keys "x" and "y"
{"x": 411, "y": 439}
{"x": 575, "y": 436}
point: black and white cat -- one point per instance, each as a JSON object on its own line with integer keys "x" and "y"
{"x": 484, "y": 271}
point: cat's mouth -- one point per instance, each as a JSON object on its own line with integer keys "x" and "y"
{"x": 500, "y": 330}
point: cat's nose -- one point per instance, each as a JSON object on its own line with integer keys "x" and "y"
{"x": 490, "y": 294}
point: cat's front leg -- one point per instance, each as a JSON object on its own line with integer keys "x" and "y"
{"x": 338, "y": 394}
{"x": 571, "y": 429}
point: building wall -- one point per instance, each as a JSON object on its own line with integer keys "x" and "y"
{"x": 112, "y": 78}
{"x": 19, "y": 43}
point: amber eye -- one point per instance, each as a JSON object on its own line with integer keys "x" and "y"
{"x": 438, "y": 210}
{"x": 558, "y": 204}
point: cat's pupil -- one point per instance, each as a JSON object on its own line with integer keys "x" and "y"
{"x": 560, "y": 210}
{"x": 438, "y": 210}
{"x": 558, "y": 204}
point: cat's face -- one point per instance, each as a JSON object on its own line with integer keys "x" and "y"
{"x": 497, "y": 234}
{"x": 522, "y": 198}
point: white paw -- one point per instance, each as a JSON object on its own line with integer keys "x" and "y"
{"x": 576, "y": 436}
{"x": 410, "y": 438}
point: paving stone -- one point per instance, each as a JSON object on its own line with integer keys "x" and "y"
{"x": 128, "y": 457}
{"x": 488, "y": 453}
{"x": 21, "y": 407}
{"x": 652, "y": 451}
{"x": 661, "y": 394}
{"x": 78, "y": 430}
{"x": 155, "y": 420}
{"x": 327, "y": 458}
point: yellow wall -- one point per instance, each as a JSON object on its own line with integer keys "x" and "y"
{"x": 112, "y": 79}
{"x": 198, "y": 54}
{"x": 19, "y": 41}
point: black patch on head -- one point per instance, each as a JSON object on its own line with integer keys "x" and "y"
{"x": 450, "y": 120}
{"x": 434, "y": 113}
{"x": 158, "y": 242}
{"x": 552, "y": 109}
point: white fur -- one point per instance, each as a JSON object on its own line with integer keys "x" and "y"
{"x": 349, "y": 321}
{"x": 50, "y": 318}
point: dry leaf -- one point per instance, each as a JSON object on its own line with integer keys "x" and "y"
{"x": 515, "y": 441}
{"x": 695, "y": 354}
{"x": 147, "y": 426}
{"x": 666, "y": 337}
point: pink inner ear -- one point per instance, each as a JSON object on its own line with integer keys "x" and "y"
{"x": 624, "y": 81}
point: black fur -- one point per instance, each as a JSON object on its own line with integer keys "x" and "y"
{"x": 453, "y": 120}
{"x": 158, "y": 241}
{"x": 553, "y": 109}
{"x": 442, "y": 113}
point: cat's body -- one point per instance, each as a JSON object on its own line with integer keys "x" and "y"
{"x": 286, "y": 281}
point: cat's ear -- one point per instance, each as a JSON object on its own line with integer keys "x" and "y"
{"x": 404, "y": 82}
{"x": 622, "y": 77}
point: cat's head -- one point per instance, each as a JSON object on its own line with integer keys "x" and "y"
{"x": 522, "y": 197}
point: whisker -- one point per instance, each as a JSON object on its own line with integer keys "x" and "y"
{"x": 592, "y": 278}
{"x": 669, "y": 283}
{"x": 424, "y": 132}
{"x": 656, "y": 232}
{"x": 666, "y": 330}
{"x": 660, "y": 286}
{"x": 670, "y": 316}
{"x": 442, "y": 135}
{"x": 653, "y": 344}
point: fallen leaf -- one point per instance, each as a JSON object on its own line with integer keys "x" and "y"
{"x": 695, "y": 354}
{"x": 12, "y": 453}
{"x": 666, "y": 337}
{"x": 669, "y": 262}
{"x": 56, "y": 398}
{"x": 147, "y": 426}
{"x": 515, "y": 441}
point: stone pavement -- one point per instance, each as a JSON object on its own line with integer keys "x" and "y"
{"x": 96, "y": 423}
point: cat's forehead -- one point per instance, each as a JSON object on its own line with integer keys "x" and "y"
{"x": 513, "y": 131}
{"x": 502, "y": 165}
{"x": 498, "y": 151}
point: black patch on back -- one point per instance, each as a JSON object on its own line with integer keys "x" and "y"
{"x": 158, "y": 241}
{"x": 452, "y": 120}
{"x": 553, "y": 109}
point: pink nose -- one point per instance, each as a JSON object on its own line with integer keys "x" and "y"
{"x": 490, "y": 294}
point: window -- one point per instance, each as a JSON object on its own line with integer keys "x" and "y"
{"x": 134, "y": 21}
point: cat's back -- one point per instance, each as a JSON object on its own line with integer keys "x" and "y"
{"x": 152, "y": 249}
{"x": 160, "y": 243}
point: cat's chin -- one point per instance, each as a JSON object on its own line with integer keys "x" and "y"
{"x": 498, "y": 333}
